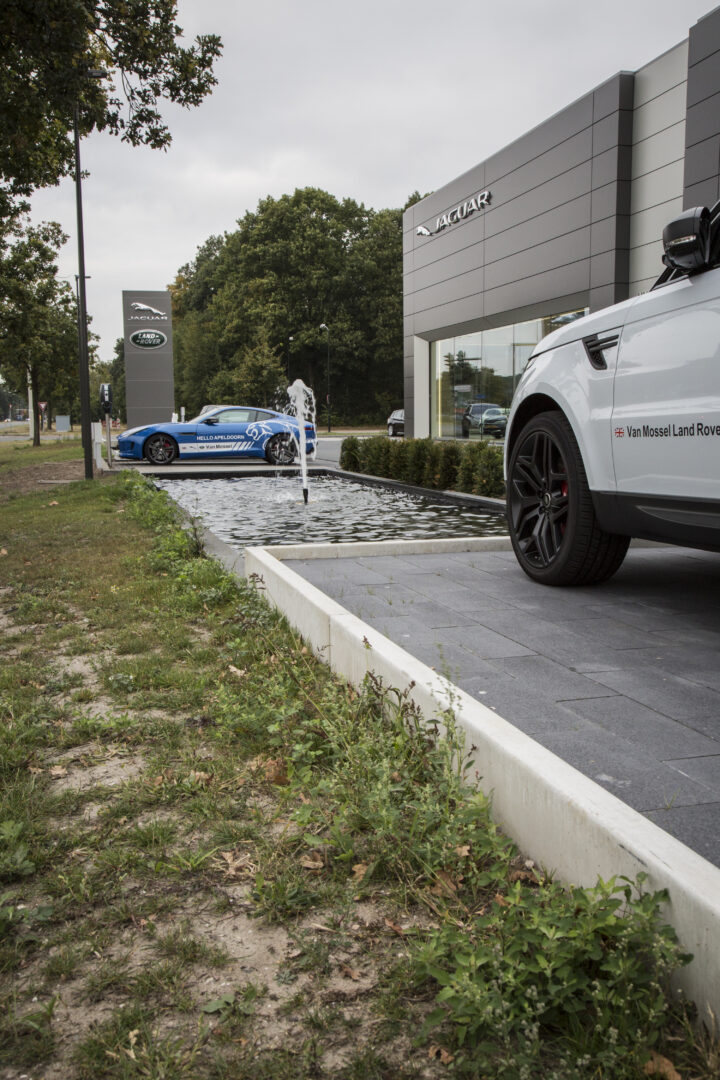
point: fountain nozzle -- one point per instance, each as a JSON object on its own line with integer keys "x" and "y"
{"x": 305, "y": 495}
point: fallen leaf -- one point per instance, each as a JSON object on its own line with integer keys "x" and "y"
{"x": 445, "y": 885}
{"x": 313, "y": 861}
{"x": 276, "y": 772}
{"x": 200, "y": 778}
{"x": 304, "y": 799}
{"x": 3, "y": 551}
{"x": 54, "y": 503}
{"x": 350, "y": 972}
{"x": 394, "y": 927}
{"x": 439, "y": 1053}
{"x": 660, "y": 1066}
{"x": 34, "y": 771}
{"x": 523, "y": 875}
{"x": 500, "y": 899}
{"x": 396, "y": 777}
{"x": 57, "y": 771}
{"x": 359, "y": 871}
{"x": 240, "y": 672}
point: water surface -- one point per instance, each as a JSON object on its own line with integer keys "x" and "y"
{"x": 270, "y": 510}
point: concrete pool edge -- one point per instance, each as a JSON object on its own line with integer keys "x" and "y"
{"x": 560, "y": 818}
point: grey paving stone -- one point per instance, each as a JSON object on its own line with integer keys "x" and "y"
{"x": 551, "y": 639}
{"x": 319, "y": 571}
{"x": 668, "y": 694}
{"x": 551, "y": 680}
{"x": 634, "y": 776}
{"x": 390, "y": 565}
{"x": 609, "y": 632}
{"x": 697, "y": 826}
{"x": 486, "y": 643}
{"x": 697, "y": 664}
{"x": 645, "y": 728}
{"x": 706, "y": 769}
{"x": 449, "y": 659}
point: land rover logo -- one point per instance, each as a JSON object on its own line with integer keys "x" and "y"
{"x": 148, "y": 339}
{"x": 458, "y": 213}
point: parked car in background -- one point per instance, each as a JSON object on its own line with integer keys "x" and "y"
{"x": 396, "y": 423}
{"x": 220, "y": 431}
{"x": 483, "y": 418}
{"x": 614, "y": 430}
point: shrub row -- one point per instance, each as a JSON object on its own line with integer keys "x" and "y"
{"x": 475, "y": 467}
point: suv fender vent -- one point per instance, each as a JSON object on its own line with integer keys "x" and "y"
{"x": 595, "y": 346}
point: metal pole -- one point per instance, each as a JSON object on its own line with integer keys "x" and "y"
{"x": 328, "y": 379}
{"x": 83, "y": 363}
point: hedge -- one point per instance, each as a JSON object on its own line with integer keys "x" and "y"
{"x": 475, "y": 467}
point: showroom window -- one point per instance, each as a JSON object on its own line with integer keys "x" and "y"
{"x": 483, "y": 367}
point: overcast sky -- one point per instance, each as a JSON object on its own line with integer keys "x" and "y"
{"x": 368, "y": 100}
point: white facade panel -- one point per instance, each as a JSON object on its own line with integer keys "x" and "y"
{"x": 660, "y": 99}
{"x": 660, "y": 149}
{"x": 661, "y": 74}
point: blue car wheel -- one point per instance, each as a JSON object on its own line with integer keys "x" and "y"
{"x": 280, "y": 450}
{"x": 161, "y": 449}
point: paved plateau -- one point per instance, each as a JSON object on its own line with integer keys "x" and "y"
{"x": 622, "y": 680}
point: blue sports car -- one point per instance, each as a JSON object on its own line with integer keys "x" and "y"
{"x": 220, "y": 431}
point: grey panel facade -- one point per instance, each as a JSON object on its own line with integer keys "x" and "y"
{"x": 702, "y": 128}
{"x": 552, "y": 233}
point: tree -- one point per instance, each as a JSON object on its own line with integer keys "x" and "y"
{"x": 295, "y": 263}
{"x": 38, "y": 317}
{"x": 49, "y": 48}
{"x": 256, "y": 377}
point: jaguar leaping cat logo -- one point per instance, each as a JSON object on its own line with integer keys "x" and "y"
{"x": 422, "y": 231}
{"x": 136, "y": 306}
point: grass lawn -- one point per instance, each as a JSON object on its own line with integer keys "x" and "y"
{"x": 219, "y": 861}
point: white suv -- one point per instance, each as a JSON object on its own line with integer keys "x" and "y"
{"x": 614, "y": 430}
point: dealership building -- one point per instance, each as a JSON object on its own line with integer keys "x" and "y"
{"x": 565, "y": 220}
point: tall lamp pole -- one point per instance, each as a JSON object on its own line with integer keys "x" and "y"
{"x": 83, "y": 358}
{"x": 327, "y": 369}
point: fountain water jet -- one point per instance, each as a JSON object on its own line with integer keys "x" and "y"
{"x": 302, "y": 405}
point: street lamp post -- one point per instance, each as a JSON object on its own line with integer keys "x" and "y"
{"x": 83, "y": 359}
{"x": 327, "y": 369}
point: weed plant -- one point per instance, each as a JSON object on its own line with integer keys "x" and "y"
{"x": 250, "y": 784}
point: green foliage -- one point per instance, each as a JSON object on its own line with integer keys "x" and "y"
{"x": 350, "y": 454}
{"x": 255, "y": 376}
{"x": 376, "y": 455}
{"x": 14, "y": 852}
{"x": 556, "y": 975}
{"x": 468, "y": 466}
{"x": 38, "y": 317}
{"x": 255, "y": 299}
{"x": 489, "y": 477}
{"x": 48, "y": 48}
{"x": 417, "y": 458}
{"x": 475, "y": 467}
{"x": 431, "y": 472}
{"x": 448, "y": 466}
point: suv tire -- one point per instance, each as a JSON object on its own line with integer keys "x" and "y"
{"x": 553, "y": 528}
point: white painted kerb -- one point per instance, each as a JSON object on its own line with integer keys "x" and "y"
{"x": 563, "y": 820}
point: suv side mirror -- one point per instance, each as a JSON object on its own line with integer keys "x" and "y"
{"x": 686, "y": 240}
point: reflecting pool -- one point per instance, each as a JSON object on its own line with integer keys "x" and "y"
{"x": 270, "y": 510}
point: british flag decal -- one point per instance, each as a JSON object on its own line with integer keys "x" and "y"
{"x": 619, "y": 432}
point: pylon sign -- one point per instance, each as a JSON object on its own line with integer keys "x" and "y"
{"x": 149, "y": 369}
